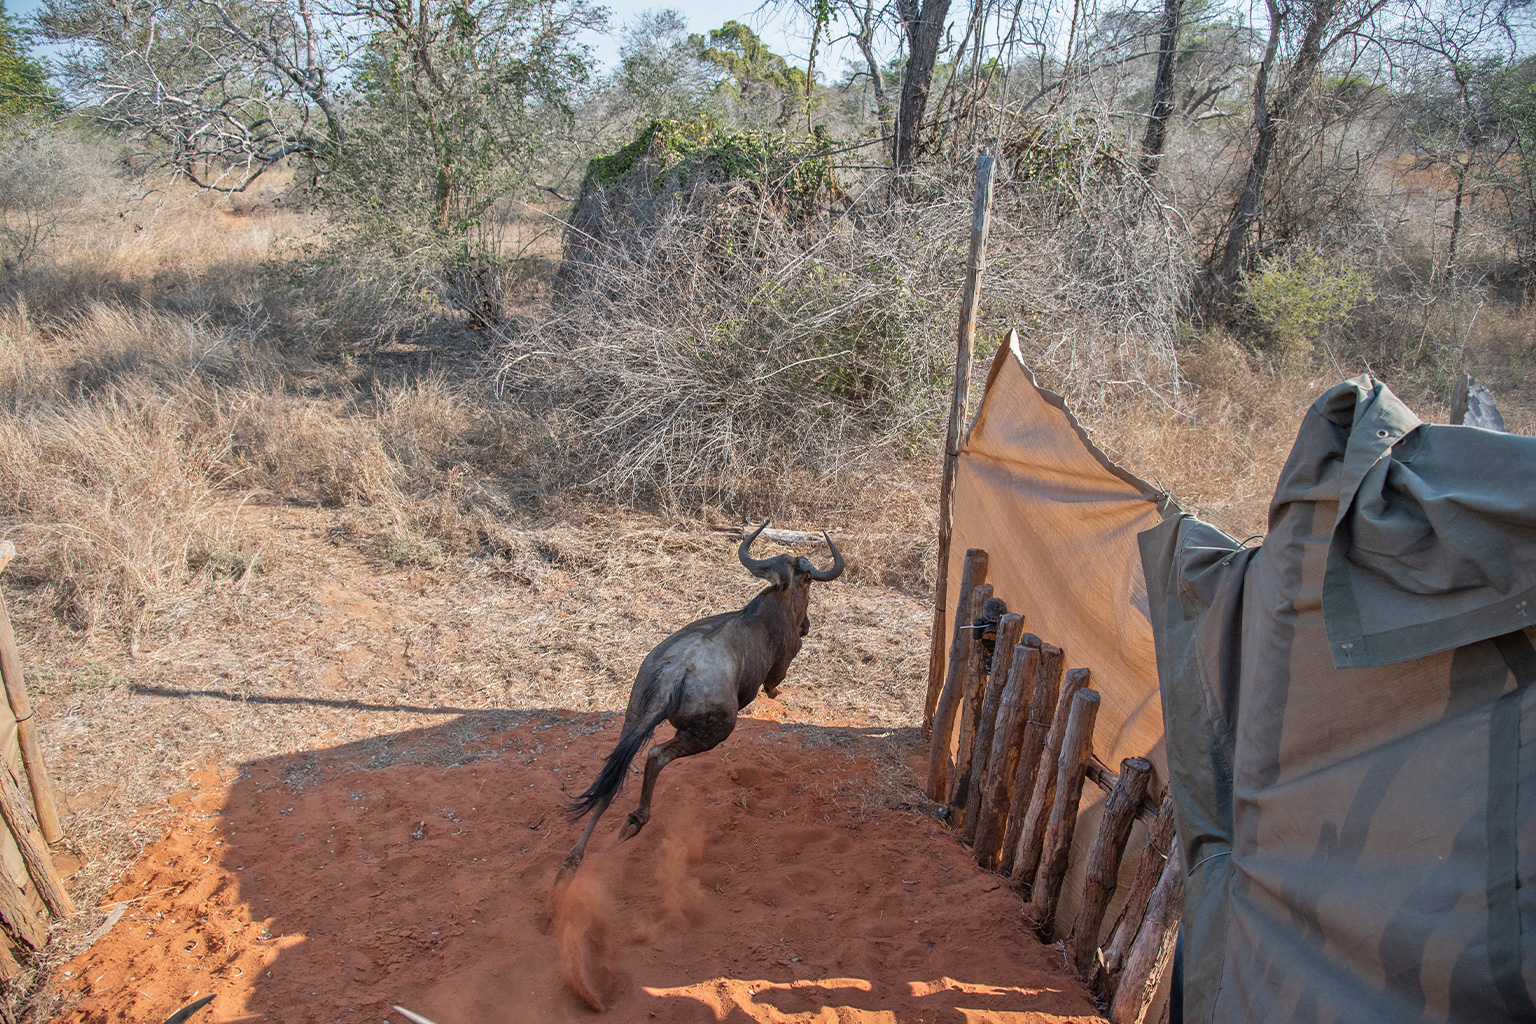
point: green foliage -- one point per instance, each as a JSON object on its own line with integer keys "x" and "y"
{"x": 443, "y": 110}
{"x": 24, "y": 87}
{"x": 752, "y": 70}
{"x": 797, "y": 171}
{"x": 1300, "y": 298}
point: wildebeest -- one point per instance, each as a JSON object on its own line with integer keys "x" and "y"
{"x": 701, "y": 676}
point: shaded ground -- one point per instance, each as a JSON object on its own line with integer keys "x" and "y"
{"x": 784, "y": 878}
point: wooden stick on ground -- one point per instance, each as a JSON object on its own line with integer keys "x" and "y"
{"x": 26, "y": 729}
{"x": 1104, "y": 863}
{"x": 972, "y": 574}
{"x": 17, "y": 812}
{"x": 1008, "y": 629}
{"x": 946, "y": 715}
{"x": 1026, "y": 855}
{"x": 1003, "y": 762}
{"x": 1153, "y": 947}
{"x": 1071, "y": 770}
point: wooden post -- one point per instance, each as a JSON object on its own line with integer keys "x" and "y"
{"x": 1008, "y": 629}
{"x": 1071, "y": 771}
{"x": 1045, "y": 689}
{"x": 1148, "y": 871}
{"x": 946, "y": 713}
{"x": 1104, "y": 863}
{"x": 21, "y": 921}
{"x": 17, "y": 812}
{"x": 1153, "y": 948}
{"x": 965, "y": 344}
{"x": 26, "y": 729}
{"x": 972, "y": 574}
{"x": 976, "y": 722}
{"x": 996, "y": 788}
{"x": 1026, "y": 853}
{"x": 971, "y": 696}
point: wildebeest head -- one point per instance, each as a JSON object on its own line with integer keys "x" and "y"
{"x": 790, "y": 574}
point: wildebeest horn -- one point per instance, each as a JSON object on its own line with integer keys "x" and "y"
{"x": 760, "y": 567}
{"x": 823, "y": 575}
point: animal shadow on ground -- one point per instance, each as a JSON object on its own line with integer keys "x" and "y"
{"x": 787, "y": 875}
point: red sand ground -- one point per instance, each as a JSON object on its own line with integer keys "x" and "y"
{"x": 769, "y": 886}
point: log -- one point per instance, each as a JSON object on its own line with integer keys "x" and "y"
{"x": 1042, "y": 795}
{"x": 1153, "y": 948}
{"x": 1045, "y": 690}
{"x": 976, "y": 734}
{"x": 1009, "y": 627}
{"x": 1148, "y": 871}
{"x": 17, "y": 813}
{"x": 947, "y": 711}
{"x": 1104, "y": 864}
{"x": 21, "y": 922}
{"x": 973, "y": 572}
{"x": 1071, "y": 772}
{"x": 971, "y": 697}
{"x": 965, "y": 344}
{"x": 26, "y": 730}
{"x": 1003, "y": 760}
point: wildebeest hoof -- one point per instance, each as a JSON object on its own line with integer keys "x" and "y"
{"x": 632, "y": 827}
{"x": 772, "y": 691}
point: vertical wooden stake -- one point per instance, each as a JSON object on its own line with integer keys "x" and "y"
{"x": 971, "y": 696}
{"x": 1008, "y": 629}
{"x": 1104, "y": 863}
{"x": 17, "y": 812}
{"x": 1045, "y": 689}
{"x": 26, "y": 729}
{"x": 946, "y": 713}
{"x": 1148, "y": 871}
{"x": 1026, "y": 854}
{"x": 1071, "y": 770}
{"x": 973, "y": 573}
{"x": 1153, "y": 948}
{"x": 965, "y": 344}
{"x": 973, "y": 708}
{"x": 1003, "y": 762}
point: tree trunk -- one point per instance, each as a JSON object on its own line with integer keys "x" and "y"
{"x": 925, "y": 31}
{"x": 1162, "y": 87}
{"x": 1269, "y": 115}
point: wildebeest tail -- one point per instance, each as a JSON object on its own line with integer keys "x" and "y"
{"x": 610, "y": 779}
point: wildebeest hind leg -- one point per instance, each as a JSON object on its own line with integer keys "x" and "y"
{"x": 694, "y": 738}
{"x": 573, "y": 859}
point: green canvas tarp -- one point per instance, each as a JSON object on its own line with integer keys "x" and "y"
{"x": 1351, "y": 737}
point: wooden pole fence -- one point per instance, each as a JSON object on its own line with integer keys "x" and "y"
{"x": 1003, "y": 762}
{"x": 1026, "y": 855}
{"x": 1104, "y": 863}
{"x": 1009, "y": 628}
{"x": 965, "y": 345}
{"x": 986, "y": 626}
{"x": 946, "y": 714}
{"x": 973, "y": 572}
{"x": 1153, "y": 949}
{"x": 21, "y": 709}
{"x": 1071, "y": 772}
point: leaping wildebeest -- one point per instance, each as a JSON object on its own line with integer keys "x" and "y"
{"x": 700, "y": 677}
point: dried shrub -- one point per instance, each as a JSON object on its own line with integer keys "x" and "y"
{"x": 730, "y": 318}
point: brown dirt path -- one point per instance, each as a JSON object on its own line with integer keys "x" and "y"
{"x": 782, "y": 879}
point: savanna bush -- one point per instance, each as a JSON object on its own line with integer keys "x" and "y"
{"x": 1301, "y": 298}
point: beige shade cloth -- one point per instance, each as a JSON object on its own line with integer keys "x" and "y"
{"x": 1059, "y": 521}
